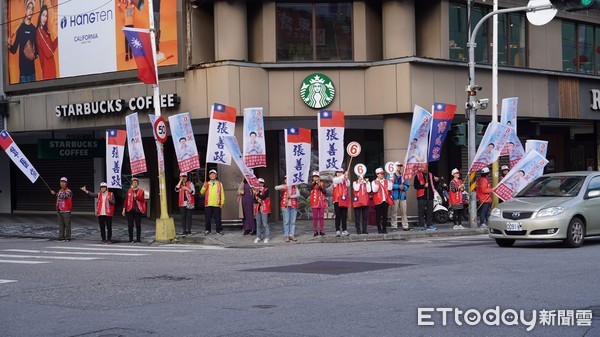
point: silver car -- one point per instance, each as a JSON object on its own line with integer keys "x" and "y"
{"x": 559, "y": 206}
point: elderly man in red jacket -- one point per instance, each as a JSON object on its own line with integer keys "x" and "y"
{"x": 484, "y": 196}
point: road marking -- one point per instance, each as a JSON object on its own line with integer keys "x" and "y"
{"x": 74, "y": 253}
{"x": 49, "y": 257}
{"x": 130, "y": 249}
{"x": 167, "y": 247}
{"x": 7, "y": 281}
{"x": 23, "y": 262}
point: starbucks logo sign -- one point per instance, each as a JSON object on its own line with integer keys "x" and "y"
{"x": 317, "y": 91}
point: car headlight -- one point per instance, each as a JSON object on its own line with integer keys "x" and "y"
{"x": 552, "y": 211}
{"x": 496, "y": 213}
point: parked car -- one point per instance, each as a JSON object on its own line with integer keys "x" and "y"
{"x": 559, "y": 206}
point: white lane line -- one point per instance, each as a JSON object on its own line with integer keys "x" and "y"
{"x": 23, "y": 262}
{"x": 74, "y": 253}
{"x": 49, "y": 257}
{"x": 169, "y": 247}
{"x": 7, "y": 281}
{"x": 107, "y": 249}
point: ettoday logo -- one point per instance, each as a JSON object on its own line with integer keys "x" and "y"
{"x": 317, "y": 91}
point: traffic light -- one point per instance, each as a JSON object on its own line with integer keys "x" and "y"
{"x": 459, "y": 134}
{"x": 479, "y": 131}
{"x": 575, "y": 5}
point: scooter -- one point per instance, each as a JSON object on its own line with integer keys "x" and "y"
{"x": 440, "y": 212}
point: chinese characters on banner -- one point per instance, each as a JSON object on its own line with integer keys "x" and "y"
{"x": 297, "y": 155}
{"x": 15, "y": 154}
{"x": 233, "y": 147}
{"x": 440, "y": 124}
{"x": 331, "y": 140}
{"x": 495, "y": 138}
{"x": 222, "y": 123}
{"x": 528, "y": 169}
{"x": 254, "y": 138}
{"x": 159, "y": 146}
{"x": 115, "y": 148}
{"x": 508, "y": 117}
{"x": 416, "y": 155}
{"x": 184, "y": 142}
{"x": 137, "y": 158}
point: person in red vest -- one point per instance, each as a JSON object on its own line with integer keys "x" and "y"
{"x": 64, "y": 205}
{"x": 455, "y": 198}
{"x": 186, "y": 202}
{"x": 360, "y": 203}
{"x": 318, "y": 203}
{"x": 105, "y": 209}
{"x": 341, "y": 202}
{"x": 381, "y": 189}
{"x": 262, "y": 208}
{"x": 135, "y": 206}
{"x": 424, "y": 185}
{"x": 214, "y": 199}
{"x": 484, "y": 196}
{"x": 289, "y": 206}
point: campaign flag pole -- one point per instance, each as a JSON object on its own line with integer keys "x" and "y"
{"x": 165, "y": 226}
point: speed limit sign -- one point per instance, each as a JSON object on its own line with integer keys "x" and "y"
{"x": 160, "y": 129}
{"x": 390, "y": 167}
{"x": 353, "y": 149}
{"x": 360, "y": 169}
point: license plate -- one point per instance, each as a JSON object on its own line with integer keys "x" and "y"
{"x": 514, "y": 226}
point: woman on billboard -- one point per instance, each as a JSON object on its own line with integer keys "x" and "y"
{"x": 46, "y": 46}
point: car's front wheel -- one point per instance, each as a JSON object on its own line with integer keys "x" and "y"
{"x": 575, "y": 233}
{"x": 505, "y": 242}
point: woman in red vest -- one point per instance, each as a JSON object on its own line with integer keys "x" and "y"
{"x": 318, "y": 203}
{"x": 341, "y": 201}
{"x": 289, "y": 206}
{"x": 186, "y": 202}
{"x": 382, "y": 199}
{"x": 135, "y": 206}
{"x": 455, "y": 198}
{"x": 360, "y": 203}
{"x": 105, "y": 209}
{"x": 262, "y": 208}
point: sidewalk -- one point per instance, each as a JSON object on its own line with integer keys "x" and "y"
{"x": 85, "y": 227}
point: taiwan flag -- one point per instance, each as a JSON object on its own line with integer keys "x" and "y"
{"x": 139, "y": 40}
{"x": 440, "y": 124}
{"x": 115, "y": 148}
{"x": 297, "y": 155}
{"x": 331, "y": 140}
{"x": 222, "y": 123}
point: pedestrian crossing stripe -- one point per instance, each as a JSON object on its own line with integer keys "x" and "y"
{"x": 73, "y": 253}
{"x": 23, "y": 262}
{"x": 118, "y": 249}
{"x": 7, "y": 281}
{"x": 49, "y": 257}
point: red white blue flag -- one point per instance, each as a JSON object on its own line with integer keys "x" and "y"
{"x": 15, "y": 154}
{"x": 331, "y": 140}
{"x": 297, "y": 155}
{"x": 115, "y": 148}
{"x": 141, "y": 47}
{"x": 222, "y": 123}
{"x": 442, "y": 120}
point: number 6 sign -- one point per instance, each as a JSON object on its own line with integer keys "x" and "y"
{"x": 353, "y": 149}
{"x": 360, "y": 169}
{"x": 390, "y": 167}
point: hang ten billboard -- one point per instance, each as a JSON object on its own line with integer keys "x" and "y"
{"x": 51, "y": 39}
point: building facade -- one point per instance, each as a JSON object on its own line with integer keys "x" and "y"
{"x": 384, "y": 57}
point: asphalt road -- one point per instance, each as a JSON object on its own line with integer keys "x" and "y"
{"x": 50, "y": 288}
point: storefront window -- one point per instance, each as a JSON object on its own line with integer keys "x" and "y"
{"x": 579, "y": 45}
{"x": 310, "y": 32}
{"x": 512, "y": 44}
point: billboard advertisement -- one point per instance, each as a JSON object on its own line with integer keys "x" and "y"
{"x": 50, "y": 39}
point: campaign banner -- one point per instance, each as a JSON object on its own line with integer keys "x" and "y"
{"x": 515, "y": 148}
{"x": 297, "y": 155}
{"x": 159, "y": 145}
{"x": 222, "y": 123}
{"x": 115, "y": 149}
{"x": 255, "y": 154}
{"x": 539, "y": 146}
{"x": 508, "y": 117}
{"x": 15, "y": 154}
{"x": 495, "y": 138}
{"x": 529, "y": 168}
{"x": 440, "y": 124}
{"x": 331, "y": 125}
{"x": 416, "y": 155}
{"x": 57, "y": 39}
{"x": 137, "y": 157}
{"x": 231, "y": 144}
{"x": 184, "y": 142}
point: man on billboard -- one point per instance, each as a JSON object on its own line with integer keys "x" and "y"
{"x": 25, "y": 41}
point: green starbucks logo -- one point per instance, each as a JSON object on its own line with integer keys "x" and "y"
{"x": 317, "y": 91}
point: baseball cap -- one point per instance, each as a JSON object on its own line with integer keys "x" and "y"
{"x": 455, "y": 171}
{"x": 183, "y": 174}
{"x": 103, "y": 184}
{"x": 64, "y": 179}
{"x": 504, "y": 167}
{"x": 379, "y": 170}
{"x": 485, "y": 170}
{"x": 212, "y": 171}
{"x": 261, "y": 180}
{"x": 316, "y": 173}
{"x": 135, "y": 178}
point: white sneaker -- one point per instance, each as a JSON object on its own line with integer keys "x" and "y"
{"x": 345, "y": 233}
{"x": 338, "y": 233}
{"x": 257, "y": 240}
{"x": 461, "y": 227}
{"x": 455, "y": 227}
{"x": 267, "y": 240}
